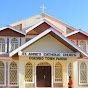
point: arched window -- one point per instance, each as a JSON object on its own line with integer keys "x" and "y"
{"x": 28, "y": 72}
{"x": 83, "y": 73}
{"x": 69, "y": 69}
{"x": 2, "y": 73}
{"x": 2, "y": 45}
{"x": 13, "y": 73}
{"x": 82, "y": 45}
{"x": 14, "y": 44}
{"x": 44, "y": 64}
{"x": 58, "y": 72}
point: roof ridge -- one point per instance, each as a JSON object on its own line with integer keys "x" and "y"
{"x": 76, "y": 31}
{"x": 4, "y": 27}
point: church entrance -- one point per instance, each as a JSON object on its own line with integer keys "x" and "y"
{"x": 43, "y": 73}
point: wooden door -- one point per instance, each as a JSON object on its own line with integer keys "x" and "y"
{"x": 43, "y": 74}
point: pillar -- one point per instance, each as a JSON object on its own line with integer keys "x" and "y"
{"x": 65, "y": 82}
{"x": 21, "y": 73}
{"x": 75, "y": 74}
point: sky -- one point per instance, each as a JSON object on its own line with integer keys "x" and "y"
{"x": 72, "y": 12}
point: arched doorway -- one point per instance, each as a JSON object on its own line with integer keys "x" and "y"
{"x": 43, "y": 75}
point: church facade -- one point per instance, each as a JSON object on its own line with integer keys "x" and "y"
{"x": 42, "y": 51}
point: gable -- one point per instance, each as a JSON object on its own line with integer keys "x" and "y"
{"x": 56, "y": 35}
{"x": 48, "y": 44}
{"x": 78, "y": 36}
{"x": 43, "y": 27}
{"x": 26, "y": 23}
{"x": 10, "y": 32}
{"x": 39, "y": 29}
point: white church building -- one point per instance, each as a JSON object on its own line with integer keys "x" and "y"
{"x": 42, "y": 51}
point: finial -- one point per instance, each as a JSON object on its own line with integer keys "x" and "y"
{"x": 43, "y": 8}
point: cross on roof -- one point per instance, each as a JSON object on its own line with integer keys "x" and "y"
{"x": 43, "y": 8}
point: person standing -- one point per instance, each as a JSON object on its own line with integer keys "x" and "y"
{"x": 70, "y": 82}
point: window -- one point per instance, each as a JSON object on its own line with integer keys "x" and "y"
{"x": 28, "y": 72}
{"x": 19, "y": 27}
{"x": 2, "y": 45}
{"x": 27, "y": 39}
{"x": 58, "y": 72}
{"x": 68, "y": 30}
{"x": 82, "y": 45}
{"x": 2, "y": 72}
{"x": 14, "y": 44}
{"x": 69, "y": 69}
{"x": 13, "y": 73}
{"x": 83, "y": 73}
{"x": 44, "y": 63}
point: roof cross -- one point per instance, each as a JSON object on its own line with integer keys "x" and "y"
{"x": 43, "y": 8}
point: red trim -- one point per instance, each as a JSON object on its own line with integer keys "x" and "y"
{"x": 4, "y": 55}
